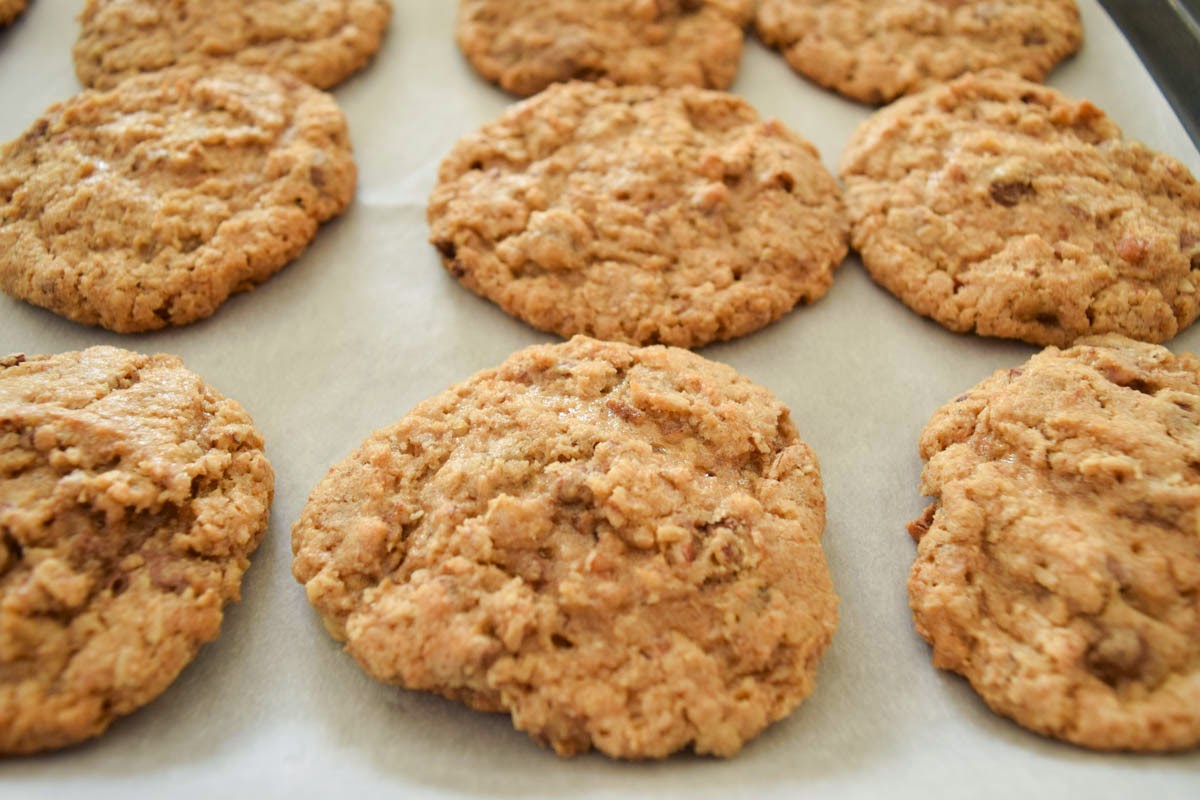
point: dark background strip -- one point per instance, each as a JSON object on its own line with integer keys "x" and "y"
{"x": 1166, "y": 35}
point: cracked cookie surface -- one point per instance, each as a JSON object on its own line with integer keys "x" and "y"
{"x": 877, "y": 51}
{"x": 638, "y": 214}
{"x": 148, "y": 205}
{"x": 131, "y": 495}
{"x": 1058, "y": 568}
{"x": 617, "y": 546}
{"x": 1003, "y": 207}
{"x": 322, "y": 42}
{"x": 526, "y": 45}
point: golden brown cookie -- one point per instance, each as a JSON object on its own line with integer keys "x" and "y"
{"x": 9, "y": 9}
{"x": 1059, "y": 566}
{"x": 639, "y": 214}
{"x": 321, "y": 42}
{"x": 149, "y": 204}
{"x": 526, "y": 45}
{"x": 877, "y": 50}
{"x": 617, "y": 546}
{"x": 131, "y": 495}
{"x": 1002, "y": 207}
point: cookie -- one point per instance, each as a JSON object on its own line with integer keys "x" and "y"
{"x": 526, "y": 45}
{"x": 1002, "y": 207}
{"x": 131, "y": 495}
{"x": 1058, "y": 568}
{"x": 322, "y": 42}
{"x": 149, "y": 204}
{"x": 617, "y": 546}
{"x": 877, "y": 51}
{"x": 10, "y": 9}
{"x": 639, "y": 214}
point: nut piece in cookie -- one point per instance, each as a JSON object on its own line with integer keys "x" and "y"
{"x": 1058, "y": 568}
{"x": 618, "y": 546}
{"x": 877, "y": 50}
{"x": 131, "y": 495}
{"x": 638, "y": 214}
{"x": 1003, "y": 207}
{"x": 526, "y": 45}
{"x": 321, "y": 42}
{"x": 149, "y": 204}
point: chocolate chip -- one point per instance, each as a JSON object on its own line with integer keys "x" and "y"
{"x": 1119, "y": 656}
{"x": 446, "y": 248}
{"x": 1009, "y": 193}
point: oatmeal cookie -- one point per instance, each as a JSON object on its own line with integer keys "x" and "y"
{"x": 149, "y": 204}
{"x": 639, "y": 214}
{"x": 1002, "y": 207}
{"x": 131, "y": 495}
{"x": 875, "y": 51}
{"x": 1058, "y": 568}
{"x": 321, "y": 42}
{"x": 619, "y": 547}
{"x": 526, "y": 45}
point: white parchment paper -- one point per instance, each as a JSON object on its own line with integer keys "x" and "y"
{"x": 367, "y": 323}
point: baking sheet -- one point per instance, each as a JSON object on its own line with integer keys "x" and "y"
{"x": 1166, "y": 37}
{"x": 367, "y": 323}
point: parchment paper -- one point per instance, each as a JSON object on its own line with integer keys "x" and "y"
{"x": 367, "y": 323}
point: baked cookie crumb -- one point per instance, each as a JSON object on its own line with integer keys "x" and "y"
{"x": 10, "y": 10}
